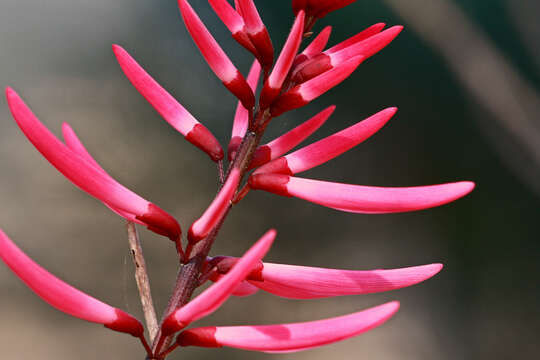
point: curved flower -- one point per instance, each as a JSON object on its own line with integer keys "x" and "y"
{"x": 62, "y": 296}
{"x": 359, "y": 198}
{"x": 87, "y": 176}
{"x": 167, "y": 106}
{"x": 290, "y": 139}
{"x": 215, "y": 56}
{"x": 257, "y": 32}
{"x": 216, "y": 210}
{"x": 328, "y": 148}
{"x": 289, "y": 337}
{"x": 305, "y": 282}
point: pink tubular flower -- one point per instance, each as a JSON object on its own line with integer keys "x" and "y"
{"x": 289, "y": 337}
{"x": 361, "y": 199}
{"x": 216, "y": 210}
{"x": 62, "y": 296}
{"x": 241, "y": 117}
{"x": 209, "y": 300}
{"x": 355, "y": 46}
{"x": 257, "y": 32}
{"x": 87, "y": 176}
{"x": 329, "y": 147}
{"x": 289, "y": 140}
{"x": 319, "y": 8}
{"x": 304, "y": 93}
{"x": 168, "y": 107}
{"x": 273, "y": 84}
{"x": 304, "y": 282}
{"x": 234, "y": 22}
{"x": 216, "y": 57}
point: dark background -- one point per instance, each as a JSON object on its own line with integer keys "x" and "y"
{"x": 458, "y": 120}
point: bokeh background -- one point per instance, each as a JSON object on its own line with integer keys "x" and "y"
{"x": 466, "y": 77}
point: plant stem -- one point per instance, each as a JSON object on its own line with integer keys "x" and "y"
{"x": 143, "y": 282}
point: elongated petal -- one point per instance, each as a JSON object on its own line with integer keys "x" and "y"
{"x": 167, "y": 106}
{"x": 302, "y": 94}
{"x": 290, "y": 337}
{"x": 241, "y": 117}
{"x": 273, "y": 85}
{"x": 73, "y": 142}
{"x": 329, "y": 147}
{"x": 234, "y": 22}
{"x": 362, "y": 35}
{"x": 327, "y": 6}
{"x": 362, "y": 199}
{"x": 210, "y": 299}
{"x": 62, "y": 296}
{"x": 289, "y": 140}
{"x": 216, "y": 210}
{"x": 314, "y": 48}
{"x": 302, "y": 282}
{"x": 332, "y": 58}
{"x": 257, "y": 33}
{"x": 216, "y": 57}
{"x": 86, "y": 176}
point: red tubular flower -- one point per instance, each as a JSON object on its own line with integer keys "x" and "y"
{"x": 167, "y": 106}
{"x": 209, "y": 300}
{"x": 329, "y": 147}
{"x": 361, "y": 199}
{"x": 257, "y": 32}
{"x": 241, "y": 117}
{"x": 362, "y": 35}
{"x": 62, "y": 296}
{"x": 87, "y": 176}
{"x": 319, "y": 8}
{"x": 289, "y": 140}
{"x": 304, "y": 282}
{"x": 289, "y": 337}
{"x": 216, "y": 210}
{"x": 304, "y": 93}
{"x": 273, "y": 84}
{"x": 234, "y": 22}
{"x": 350, "y": 48}
{"x": 215, "y": 57}
{"x": 315, "y": 47}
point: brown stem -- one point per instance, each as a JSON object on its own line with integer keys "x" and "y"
{"x": 143, "y": 282}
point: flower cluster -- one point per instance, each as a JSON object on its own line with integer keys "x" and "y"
{"x": 290, "y": 81}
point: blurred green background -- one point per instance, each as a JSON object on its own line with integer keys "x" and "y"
{"x": 466, "y": 77}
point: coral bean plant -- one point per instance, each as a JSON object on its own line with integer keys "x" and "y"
{"x": 290, "y": 80}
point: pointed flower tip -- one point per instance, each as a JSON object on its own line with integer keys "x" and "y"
{"x": 212, "y": 298}
{"x": 290, "y": 337}
{"x": 63, "y": 296}
{"x": 202, "y": 227}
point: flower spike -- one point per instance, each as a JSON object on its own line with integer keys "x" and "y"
{"x": 87, "y": 176}
{"x": 212, "y": 298}
{"x": 361, "y": 199}
{"x": 241, "y": 117}
{"x": 257, "y": 33}
{"x": 289, "y": 337}
{"x": 215, "y": 211}
{"x": 328, "y": 148}
{"x": 167, "y": 106}
{"x": 273, "y": 84}
{"x": 289, "y": 140}
{"x": 216, "y": 57}
{"x": 304, "y": 93}
{"x": 234, "y": 22}
{"x": 340, "y": 53}
{"x": 62, "y": 296}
